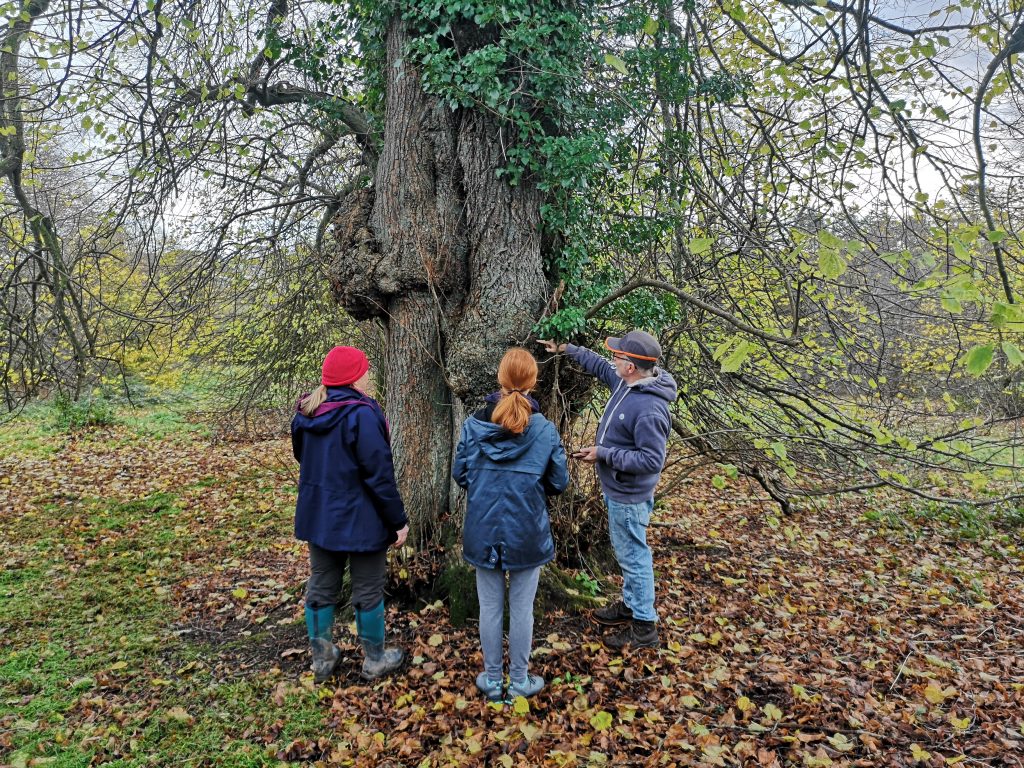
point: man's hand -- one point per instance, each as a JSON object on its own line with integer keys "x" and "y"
{"x": 588, "y": 454}
{"x": 402, "y": 534}
{"x": 552, "y": 346}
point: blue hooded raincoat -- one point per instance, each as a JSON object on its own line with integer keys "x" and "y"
{"x": 509, "y": 478}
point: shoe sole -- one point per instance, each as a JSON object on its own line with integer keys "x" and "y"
{"x": 609, "y": 622}
{"x": 384, "y": 673}
{"x": 320, "y": 679}
{"x": 513, "y": 695}
{"x": 488, "y": 696}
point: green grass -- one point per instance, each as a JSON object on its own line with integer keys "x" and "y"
{"x": 160, "y": 423}
{"x": 89, "y": 668}
{"x": 41, "y": 430}
{"x": 965, "y": 522}
{"x": 30, "y": 433}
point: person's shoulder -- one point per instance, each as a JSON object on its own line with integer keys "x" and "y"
{"x": 538, "y": 418}
{"x": 365, "y": 408}
{"x": 474, "y": 423}
{"x": 543, "y": 424}
{"x": 366, "y": 402}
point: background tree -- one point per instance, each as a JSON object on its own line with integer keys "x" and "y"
{"x": 815, "y": 204}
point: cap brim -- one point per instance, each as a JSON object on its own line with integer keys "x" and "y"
{"x": 614, "y": 344}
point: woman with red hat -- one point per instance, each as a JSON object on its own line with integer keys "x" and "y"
{"x": 348, "y": 509}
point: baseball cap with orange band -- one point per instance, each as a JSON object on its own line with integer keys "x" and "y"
{"x": 640, "y": 346}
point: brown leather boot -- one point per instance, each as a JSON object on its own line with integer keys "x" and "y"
{"x": 637, "y": 634}
{"x": 613, "y": 614}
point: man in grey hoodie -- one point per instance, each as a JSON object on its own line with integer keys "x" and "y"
{"x": 630, "y": 453}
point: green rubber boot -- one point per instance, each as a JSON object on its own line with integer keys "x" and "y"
{"x": 379, "y": 660}
{"x": 326, "y": 655}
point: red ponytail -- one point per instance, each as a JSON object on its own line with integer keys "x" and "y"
{"x": 517, "y": 374}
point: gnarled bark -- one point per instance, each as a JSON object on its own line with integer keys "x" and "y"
{"x": 448, "y": 256}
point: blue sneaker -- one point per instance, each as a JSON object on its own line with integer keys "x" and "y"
{"x": 491, "y": 689}
{"x": 531, "y": 686}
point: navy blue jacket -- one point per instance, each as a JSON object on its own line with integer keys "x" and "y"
{"x": 348, "y": 500}
{"x": 508, "y": 478}
{"x": 633, "y": 432}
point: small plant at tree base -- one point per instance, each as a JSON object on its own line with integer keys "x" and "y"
{"x": 587, "y": 585}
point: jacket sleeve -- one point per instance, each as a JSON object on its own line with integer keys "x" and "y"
{"x": 650, "y": 436}
{"x": 377, "y": 467}
{"x": 594, "y": 364}
{"x": 460, "y": 469}
{"x": 296, "y": 442}
{"x": 556, "y": 474}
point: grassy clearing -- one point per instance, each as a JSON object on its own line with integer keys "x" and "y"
{"x": 920, "y": 519}
{"x": 42, "y": 429}
{"x": 97, "y": 667}
{"x": 150, "y": 615}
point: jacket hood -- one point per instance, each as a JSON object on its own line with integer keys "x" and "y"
{"x": 661, "y": 384}
{"x": 339, "y": 401}
{"x": 498, "y": 443}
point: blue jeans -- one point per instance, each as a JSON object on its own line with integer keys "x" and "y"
{"x": 627, "y": 527}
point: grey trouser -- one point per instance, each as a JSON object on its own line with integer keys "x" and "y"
{"x": 368, "y": 572}
{"x": 490, "y": 589}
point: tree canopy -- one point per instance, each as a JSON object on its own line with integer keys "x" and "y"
{"x": 816, "y": 204}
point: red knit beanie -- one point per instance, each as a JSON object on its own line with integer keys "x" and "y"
{"x": 344, "y": 366}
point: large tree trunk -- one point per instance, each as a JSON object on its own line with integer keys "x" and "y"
{"x": 448, "y": 257}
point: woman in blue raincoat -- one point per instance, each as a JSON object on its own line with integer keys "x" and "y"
{"x": 509, "y": 459}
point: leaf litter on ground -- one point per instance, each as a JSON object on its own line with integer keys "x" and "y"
{"x": 833, "y": 637}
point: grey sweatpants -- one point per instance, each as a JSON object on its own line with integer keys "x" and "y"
{"x": 490, "y": 590}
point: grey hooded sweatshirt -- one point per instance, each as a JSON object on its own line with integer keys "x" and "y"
{"x": 633, "y": 432}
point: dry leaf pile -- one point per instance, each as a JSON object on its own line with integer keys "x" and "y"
{"x": 824, "y": 639}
